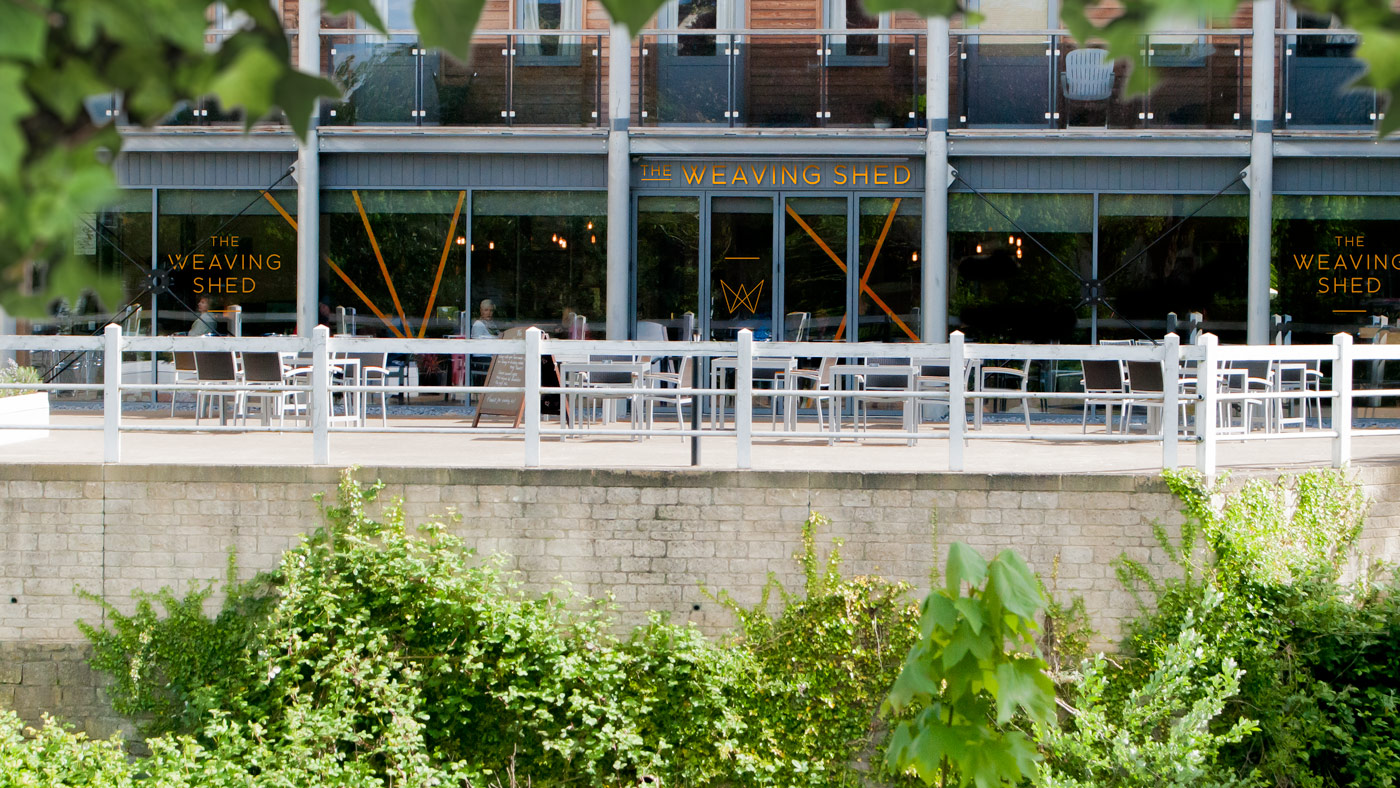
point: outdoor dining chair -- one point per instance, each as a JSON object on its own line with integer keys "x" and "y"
{"x": 1103, "y": 385}
{"x": 216, "y": 368}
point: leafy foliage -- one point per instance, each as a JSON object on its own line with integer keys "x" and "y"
{"x": 1159, "y": 735}
{"x": 1320, "y": 677}
{"x": 11, "y": 373}
{"x": 379, "y": 653}
{"x": 960, "y": 677}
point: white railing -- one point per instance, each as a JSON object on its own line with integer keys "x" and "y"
{"x": 1193, "y": 377}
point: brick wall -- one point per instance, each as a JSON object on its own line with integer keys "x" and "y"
{"x": 649, "y": 538}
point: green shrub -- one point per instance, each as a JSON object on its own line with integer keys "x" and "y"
{"x": 1318, "y": 654}
{"x": 380, "y": 652}
{"x": 11, "y": 373}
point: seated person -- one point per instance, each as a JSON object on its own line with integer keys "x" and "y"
{"x": 485, "y": 327}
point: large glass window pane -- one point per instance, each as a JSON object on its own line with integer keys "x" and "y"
{"x": 1336, "y": 262}
{"x": 397, "y": 258}
{"x": 538, "y": 256}
{"x": 117, "y": 242}
{"x": 232, "y": 248}
{"x": 1149, "y": 269}
{"x": 1006, "y": 288}
{"x": 891, "y": 234}
{"x": 668, "y": 260}
{"x": 814, "y": 269}
{"x": 741, "y": 263}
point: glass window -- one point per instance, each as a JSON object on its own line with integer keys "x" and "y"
{"x": 117, "y": 242}
{"x": 668, "y": 261}
{"x": 851, "y": 15}
{"x": 548, "y": 15}
{"x": 700, "y": 15}
{"x": 1003, "y": 285}
{"x": 1336, "y": 262}
{"x": 538, "y": 256}
{"x": 228, "y": 248}
{"x": 815, "y": 268}
{"x": 891, "y": 235}
{"x": 1152, "y": 263}
{"x": 397, "y": 259}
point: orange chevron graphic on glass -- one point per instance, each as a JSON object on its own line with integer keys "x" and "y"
{"x": 743, "y": 296}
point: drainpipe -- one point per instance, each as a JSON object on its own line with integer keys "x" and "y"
{"x": 934, "y": 291}
{"x": 308, "y": 179}
{"x": 619, "y": 180}
{"x": 1261, "y": 173}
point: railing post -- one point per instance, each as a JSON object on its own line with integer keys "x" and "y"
{"x": 532, "y": 397}
{"x": 1207, "y": 391}
{"x": 743, "y": 399}
{"x": 235, "y": 320}
{"x": 957, "y": 401}
{"x": 111, "y": 393}
{"x": 1341, "y": 403}
{"x": 1171, "y": 390}
{"x": 320, "y": 396}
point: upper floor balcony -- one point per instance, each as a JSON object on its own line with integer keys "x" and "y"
{"x": 827, "y": 78}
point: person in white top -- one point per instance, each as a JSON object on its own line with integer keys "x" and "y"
{"x": 484, "y": 327}
{"x": 203, "y": 321}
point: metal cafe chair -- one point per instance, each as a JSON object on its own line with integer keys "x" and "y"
{"x": 216, "y": 368}
{"x": 1103, "y": 385}
{"x": 184, "y": 373}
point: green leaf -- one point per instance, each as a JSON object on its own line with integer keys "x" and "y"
{"x": 14, "y": 106}
{"x": 448, "y": 24}
{"x": 633, "y": 13}
{"x": 924, "y": 8}
{"x": 972, "y": 611}
{"x": 22, "y": 31}
{"x": 1014, "y": 584}
{"x": 1022, "y": 683}
{"x": 964, "y": 565}
{"x": 296, "y": 94}
{"x": 249, "y": 82}
{"x": 940, "y": 612}
{"x": 63, "y": 89}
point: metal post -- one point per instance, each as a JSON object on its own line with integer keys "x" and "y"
{"x": 1341, "y": 403}
{"x": 1171, "y": 389}
{"x": 112, "y": 393}
{"x": 957, "y": 401}
{"x": 1207, "y": 389}
{"x": 934, "y": 285}
{"x": 696, "y": 371}
{"x": 320, "y": 396}
{"x": 1261, "y": 173}
{"x": 532, "y": 397}
{"x": 619, "y": 182}
{"x": 743, "y": 399}
{"x": 308, "y": 175}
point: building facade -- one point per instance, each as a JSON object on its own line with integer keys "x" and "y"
{"x": 798, "y": 167}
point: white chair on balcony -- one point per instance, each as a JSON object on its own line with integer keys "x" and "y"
{"x": 1089, "y": 77}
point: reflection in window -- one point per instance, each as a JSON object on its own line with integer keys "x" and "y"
{"x": 891, "y": 235}
{"x": 851, "y": 15}
{"x": 234, "y": 248}
{"x": 116, "y": 241}
{"x": 539, "y": 255}
{"x": 668, "y": 260}
{"x": 1003, "y": 286}
{"x": 1200, "y": 266}
{"x": 396, "y": 259}
{"x": 548, "y": 15}
{"x": 699, "y": 15}
{"x": 1336, "y": 262}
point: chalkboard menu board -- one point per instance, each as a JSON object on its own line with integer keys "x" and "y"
{"x": 508, "y": 371}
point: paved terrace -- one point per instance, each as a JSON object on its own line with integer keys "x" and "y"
{"x": 667, "y": 452}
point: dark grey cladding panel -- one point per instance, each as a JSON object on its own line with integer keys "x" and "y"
{"x": 456, "y": 171}
{"x": 1334, "y": 175}
{"x": 1086, "y": 174}
{"x": 222, "y": 170}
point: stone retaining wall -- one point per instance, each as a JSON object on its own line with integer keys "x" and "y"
{"x": 651, "y": 539}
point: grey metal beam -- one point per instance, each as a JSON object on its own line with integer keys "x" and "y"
{"x": 208, "y": 140}
{"x": 580, "y": 141}
{"x": 1363, "y": 145}
{"x": 934, "y": 294}
{"x": 1261, "y": 174}
{"x": 619, "y": 305}
{"x": 973, "y": 143}
{"x": 308, "y": 183}
{"x": 774, "y": 143}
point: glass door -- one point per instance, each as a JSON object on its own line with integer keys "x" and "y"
{"x": 741, "y": 267}
{"x": 816, "y": 269}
